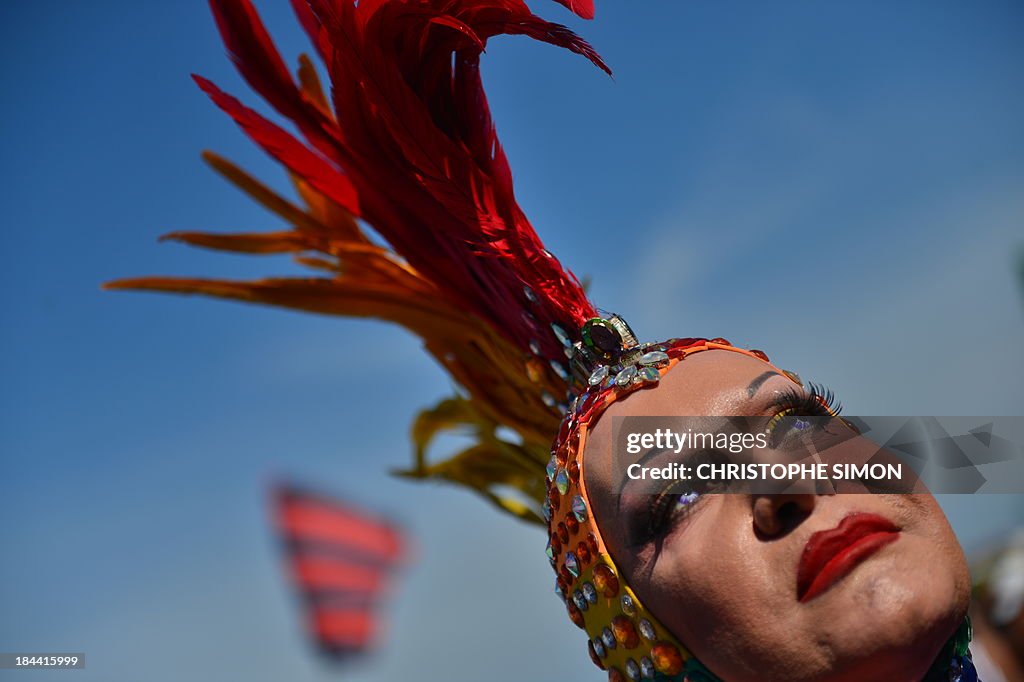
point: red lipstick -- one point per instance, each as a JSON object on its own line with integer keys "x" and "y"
{"x": 831, "y": 554}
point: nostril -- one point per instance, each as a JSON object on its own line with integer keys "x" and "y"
{"x": 790, "y": 514}
{"x": 777, "y": 515}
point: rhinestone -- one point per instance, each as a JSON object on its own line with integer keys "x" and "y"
{"x": 583, "y": 553}
{"x": 572, "y": 565}
{"x": 646, "y": 668}
{"x": 625, "y": 632}
{"x": 562, "y": 480}
{"x": 647, "y": 630}
{"x": 649, "y": 375}
{"x": 793, "y": 376}
{"x": 628, "y": 607}
{"x": 574, "y": 471}
{"x": 550, "y": 551}
{"x": 608, "y": 383}
{"x": 548, "y": 399}
{"x": 598, "y": 375}
{"x": 632, "y": 670}
{"x": 534, "y": 347}
{"x": 592, "y": 543}
{"x": 626, "y": 376}
{"x": 530, "y": 296}
{"x": 545, "y": 511}
{"x": 608, "y": 639}
{"x": 561, "y": 454}
{"x": 655, "y": 357}
{"x": 594, "y": 399}
{"x": 560, "y": 370}
{"x": 580, "y": 601}
{"x": 594, "y": 655}
{"x": 598, "y": 647}
{"x": 572, "y": 524}
{"x": 561, "y": 335}
{"x": 761, "y": 354}
{"x": 575, "y": 614}
{"x": 615, "y": 676}
{"x": 667, "y": 660}
{"x": 590, "y": 592}
{"x": 720, "y": 341}
{"x": 579, "y": 508}
{"x": 606, "y": 581}
{"x": 553, "y": 498}
{"x": 556, "y": 544}
{"x": 559, "y": 592}
{"x": 552, "y": 468}
{"x": 602, "y": 336}
{"x": 564, "y": 427}
{"x": 679, "y": 352}
{"x": 563, "y": 533}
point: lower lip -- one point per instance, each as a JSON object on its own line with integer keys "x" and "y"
{"x": 844, "y": 562}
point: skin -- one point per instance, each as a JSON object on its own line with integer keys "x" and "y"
{"x": 722, "y": 577}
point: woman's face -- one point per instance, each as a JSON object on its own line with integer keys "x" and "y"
{"x": 724, "y": 573}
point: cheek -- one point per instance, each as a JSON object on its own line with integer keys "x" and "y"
{"x": 938, "y": 558}
{"x": 716, "y": 587}
{"x": 921, "y": 516}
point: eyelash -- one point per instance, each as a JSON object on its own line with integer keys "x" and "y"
{"x": 818, "y": 401}
{"x": 663, "y": 506}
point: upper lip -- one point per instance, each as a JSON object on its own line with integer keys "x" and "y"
{"x": 828, "y": 546}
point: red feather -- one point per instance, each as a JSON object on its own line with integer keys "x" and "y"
{"x": 297, "y": 157}
{"x": 412, "y": 148}
{"x": 584, "y": 8}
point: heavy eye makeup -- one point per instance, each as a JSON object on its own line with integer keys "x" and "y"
{"x": 653, "y": 515}
{"x": 658, "y": 514}
{"x": 818, "y": 403}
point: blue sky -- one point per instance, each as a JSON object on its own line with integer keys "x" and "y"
{"x": 837, "y": 184}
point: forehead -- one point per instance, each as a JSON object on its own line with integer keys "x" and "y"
{"x": 714, "y": 382}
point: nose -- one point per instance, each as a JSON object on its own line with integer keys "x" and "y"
{"x": 777, "y": 515}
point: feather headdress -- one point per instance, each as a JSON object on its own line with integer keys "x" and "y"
{"x": 405, "y": 147}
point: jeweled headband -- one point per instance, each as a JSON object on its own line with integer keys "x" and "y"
{"x": 624, "y": 637}
{"x": 407, "y": 213}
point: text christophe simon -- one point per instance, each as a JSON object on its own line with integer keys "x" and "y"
{"x": 666, "y": 440}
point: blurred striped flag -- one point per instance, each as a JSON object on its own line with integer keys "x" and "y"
{"x": 340, "y": 559}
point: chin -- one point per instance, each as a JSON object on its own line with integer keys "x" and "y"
{"x": 891, "y": 621}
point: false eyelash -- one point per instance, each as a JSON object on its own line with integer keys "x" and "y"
{"x": 818, "y": 401}
{"x": 660, "y": 511}
{"x": 664, "y": 505}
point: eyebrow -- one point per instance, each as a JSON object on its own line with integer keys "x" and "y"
{"x": 648, "y": 456}
{"x": 758, "y": 381}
